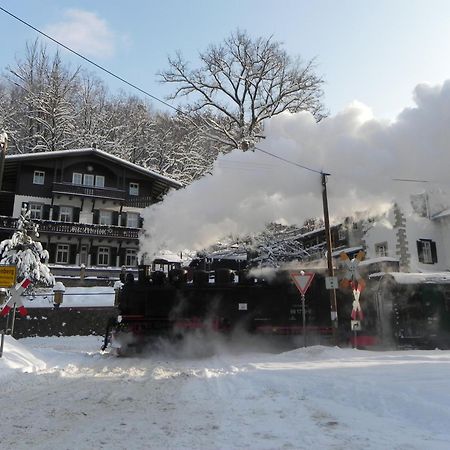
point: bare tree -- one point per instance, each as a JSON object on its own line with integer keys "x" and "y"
{"x": 243, "y": 81}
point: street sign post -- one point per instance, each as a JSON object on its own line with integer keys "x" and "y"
{"x": 331, "y": 283}
{"x": 303, "y": 280}
{"x": 7, "y": 276}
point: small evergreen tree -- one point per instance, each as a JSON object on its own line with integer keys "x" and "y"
{"x": 26, "y": 253}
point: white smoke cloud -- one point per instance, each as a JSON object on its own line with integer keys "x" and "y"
{"x": 363, "y": 155}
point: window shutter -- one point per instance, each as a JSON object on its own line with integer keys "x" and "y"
{"x": 76, "y": 214}
{"x": 73, "y": 254}
{"x": 46, "y": 212}
{"x": 96, "y": 216}
{"x": 420, "y": 251}
{"x": 433, "y": 252}
{"x": 115, "y": 218}
{"x": 93, "y": 252}
{"x": 113, "y": 255}
{"x": 55, "y": 212}
{"x": 141, "y": 222}
{"x": 122, "y": 256}
{"x": 52, "y": 253}
{"x": 123, "y": 220}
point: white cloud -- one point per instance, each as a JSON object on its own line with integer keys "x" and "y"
{"x": 84, "y": 32}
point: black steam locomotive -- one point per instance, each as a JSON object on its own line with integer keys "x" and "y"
{"x": 177, "y": 300}
{"x": 173, "y": 301}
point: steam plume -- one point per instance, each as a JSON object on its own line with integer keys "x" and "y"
{"x": 363, "y": 155}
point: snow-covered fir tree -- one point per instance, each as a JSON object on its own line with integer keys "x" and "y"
{"x": 27, "y": 254}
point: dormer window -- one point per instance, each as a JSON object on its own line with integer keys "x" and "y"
{"x": 134, "y": 189}
{"x": 38, "y": 177}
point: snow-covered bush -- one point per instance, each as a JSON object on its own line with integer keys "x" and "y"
{"x": 27, "y": 254}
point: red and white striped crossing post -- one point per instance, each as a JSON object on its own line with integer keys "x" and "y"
{"x": 15, "y": 301}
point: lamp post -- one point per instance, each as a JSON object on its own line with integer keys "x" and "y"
{"x": 3, "y": 147}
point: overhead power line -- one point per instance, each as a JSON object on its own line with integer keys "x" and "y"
{"x": 291, "y": 162}
{"x": 90, "y": 61}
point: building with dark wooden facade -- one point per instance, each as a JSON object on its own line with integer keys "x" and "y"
{"x": 88, "y": 203}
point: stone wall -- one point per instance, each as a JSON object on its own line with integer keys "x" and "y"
{"x": 61, "y": 322}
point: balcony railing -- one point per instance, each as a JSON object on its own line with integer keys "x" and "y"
{"x": 138, "y": 202}
{"x": 76, "y": 229}
{"x": 88, "y": 191}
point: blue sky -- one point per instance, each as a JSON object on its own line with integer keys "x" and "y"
{"x": 375, "y": 52}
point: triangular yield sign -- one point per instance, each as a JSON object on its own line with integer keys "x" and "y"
{"x": 302, "y": 280}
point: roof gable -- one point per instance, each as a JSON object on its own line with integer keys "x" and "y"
{"x": 83, "y": 152}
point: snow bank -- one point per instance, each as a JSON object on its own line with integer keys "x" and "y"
{"x": 18, "y": 357}
{"x": 73, "y": 297}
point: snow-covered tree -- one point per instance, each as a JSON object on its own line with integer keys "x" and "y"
{"x": 43, "y": 90}
{"x": 243, "y": 81}
{"x": 177, "y": 148}
{"x": 27, "y": 254}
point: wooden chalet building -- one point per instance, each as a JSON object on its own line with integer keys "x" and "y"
{"x": 88, "y": 203}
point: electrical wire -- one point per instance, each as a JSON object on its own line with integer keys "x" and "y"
{"x": 291, "y": 162}
{"x": 90, "y": 61}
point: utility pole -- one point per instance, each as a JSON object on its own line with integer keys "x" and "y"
{"x": 3, "y": 146}
{"x": 333, "y": 303}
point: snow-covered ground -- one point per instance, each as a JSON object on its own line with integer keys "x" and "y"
{"x": 73, "y": 297}
{"x": 64, "y": 393}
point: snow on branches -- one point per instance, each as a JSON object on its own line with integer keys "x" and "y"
{"x": 26, "y": 254}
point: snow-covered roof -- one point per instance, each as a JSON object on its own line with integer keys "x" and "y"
{"x": 442, "y": 214}
{"x": 167, "y": 255}
{"x": 347, "y": 250}
{"x": 96, "y": 152}
{"x": 379, "y": 259}
{"x": 421, "y": 278}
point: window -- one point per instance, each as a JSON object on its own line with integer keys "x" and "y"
{"x": 130, "y": 257}
{"x": 62, "y": 253}
{"x": 36, "y": 210}
{"x": 133, "y": 220}
{"x": 381, "y": 249}
{"x": 342, "y": 234}
{"x": 103, "y": 256}
{"x": 77, "y": 178}
{"x": 426, "y": 251}
{"x": 38, "y": 177}
{"x": 134, "y": 188}
{"x": 66, "y": 214}
{"x": 88, "y": 179}
{"x": 99, "y": 181}
{"x": 105, "y": 217}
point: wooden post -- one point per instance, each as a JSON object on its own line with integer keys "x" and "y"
{"x": 333, "y": 303}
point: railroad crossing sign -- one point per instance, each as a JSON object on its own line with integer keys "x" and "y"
{"x": 352, "y": 276}
{"x": 16, "y": 300}
{"x": 302, "y": 280}
{"x": 7, "y": 276}
{"x": 357, "y": 313}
